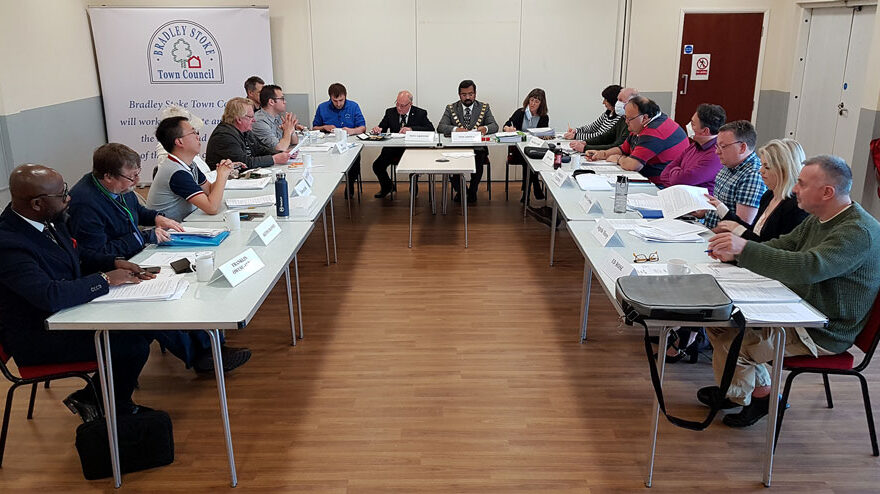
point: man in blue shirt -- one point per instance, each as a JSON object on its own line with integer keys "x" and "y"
{"x": 339, "y": 112}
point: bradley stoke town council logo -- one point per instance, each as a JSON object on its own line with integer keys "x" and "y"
{"x": 182, "y": 52}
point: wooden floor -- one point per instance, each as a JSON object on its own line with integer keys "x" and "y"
{"x": 448, "y": 370}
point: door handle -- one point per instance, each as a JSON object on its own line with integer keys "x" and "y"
{"x": 842, "y": 110}
{"x": 685, "y": 90}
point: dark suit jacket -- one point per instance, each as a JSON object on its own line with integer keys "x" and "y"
{"x": 782, "y": 220}
{"x": 227, "y": 142}
{"x": 516, "y": 119}
{"x": 100, "y": 225}
{"x": 38, "y": 278}
{"x": 454, "y": 114}
{"x": 416, "y": 120}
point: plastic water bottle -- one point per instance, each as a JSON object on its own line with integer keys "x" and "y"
{"x": 282, "y": 201}
{"x": 620, "y": 190}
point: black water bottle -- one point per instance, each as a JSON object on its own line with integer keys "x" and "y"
{"x": 282, "y": 201}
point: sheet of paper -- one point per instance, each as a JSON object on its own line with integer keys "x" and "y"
{"x": 246, "y": 202}
{"x": 397, "y": 135}
{"x": 205, "y": 169}
{"x": 603, "y": 168}
{"x": 156, "y": 289}
{"x": 683, "y": 199}
{"x": 589, "y": 181}
{"x": 248, "y": 184}
{"x": 650, "y": 268}
{"x": 750, "y": 291}
{"x": 198, "y": 232}
{"x": 318, "y": 148}
{"x": 620, "y": 224}
{"x": 790, "y": 313}
{"x": 676, "y": 227}
{"x": 458, "y": 154}
{"x": 643, "y": 201}
{"x": 600, "y": 162}
{"x": 166, "y": 257}
{"x": 724, "y": 271}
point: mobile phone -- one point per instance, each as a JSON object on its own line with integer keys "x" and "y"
{"x": 152, "y": 269}
{"x": 181, "y": 266}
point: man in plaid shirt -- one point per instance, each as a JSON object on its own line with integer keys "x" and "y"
{"x": 738, "y": 184}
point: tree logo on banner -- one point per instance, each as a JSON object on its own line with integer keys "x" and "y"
{"x": 184, "y": 52}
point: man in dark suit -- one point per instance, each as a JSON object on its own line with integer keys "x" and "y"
{"x": 464, "y": 115}
{"x": 41, "y": 273}
{"x": 105, "y": 218}
{"x": 401, "y": 118}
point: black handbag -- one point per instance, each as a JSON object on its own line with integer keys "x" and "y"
{"x": 697, "y": 298}
{"x": 145, "y": 441}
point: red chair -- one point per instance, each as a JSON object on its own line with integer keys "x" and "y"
{"x": 33, "y": 375}
{"x": 840, "y": 364}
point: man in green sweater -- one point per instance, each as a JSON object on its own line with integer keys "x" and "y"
{"x": 827, "y": 260}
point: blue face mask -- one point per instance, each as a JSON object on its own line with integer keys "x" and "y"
{"x": 528, "y": 114}
{"x": 620, "y": 108}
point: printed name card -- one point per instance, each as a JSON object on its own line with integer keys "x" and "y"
{"x": 267, "y": 230}
{"x": 589, "y": 204}
{"x": 307, "y": 175}
{"x": 605, "y": 233}
{"x": 419, "y": 136}
{"x": 470, "y": 136}
{"x": 536, "y": 142}
{"x": 343, "y": 146}
{"x": 302, "y": 188}
{"x": 241, "y": 267}
{"x": 559, "y": 177}
{"x": 548, "y": 159}
{"x": 616, "y": 266}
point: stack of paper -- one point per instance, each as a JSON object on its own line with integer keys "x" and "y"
{"x": 249, "y": 202}
{"x": 723, "y": 271}
{"x": 749, "y": 291}
{"x": 666, "y": 230}
{"x": 589, "y": 181}
{"x": 643, "y": 201}
{"x": 509, "y": 136}
{"x": 790, "y": 314}
{"x": 679, "y": 200}
{"x": 247, "y": 184}
{"x": 631, "y": 176}
{"x": 197, "y": 232}
{"x": 170, "y": 288}
{"x": 622, "y": 224}
{"x": 542, "y": 131}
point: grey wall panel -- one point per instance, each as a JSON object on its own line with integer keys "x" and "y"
{"x": 298, "y": 104}
{"x": 772, "y": 114}
{"x": 662, "y": 98}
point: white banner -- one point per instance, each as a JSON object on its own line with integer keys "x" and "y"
{"x": 195, "y": 58}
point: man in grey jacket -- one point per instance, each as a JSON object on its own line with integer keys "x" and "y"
{"x": 232, "y": 139}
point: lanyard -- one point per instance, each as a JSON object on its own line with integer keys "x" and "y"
{"x": 119, "y": 203}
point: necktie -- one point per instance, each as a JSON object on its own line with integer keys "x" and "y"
{"x": 48, "y": 231}
{"x": 467, "y": 117}
{"x": 403, "y": 121}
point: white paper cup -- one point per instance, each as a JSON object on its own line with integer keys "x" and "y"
{"x": 233, "y": 221}
{"x": 677, "y": 266}
{"x": 204, "y": 267}
{"x": 340, "y": 134}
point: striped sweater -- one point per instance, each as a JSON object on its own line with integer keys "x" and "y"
{"x": 599, "y": 126}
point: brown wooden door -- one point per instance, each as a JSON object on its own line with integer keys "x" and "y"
{"x": 733, "y": 42}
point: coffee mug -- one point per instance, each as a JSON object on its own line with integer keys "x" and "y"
{"x": 233, "y": 221}
{"x": 677, "y": 266}
{"x": 204, "y": 267}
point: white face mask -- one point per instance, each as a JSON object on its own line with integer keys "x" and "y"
{"x": 620, "y": 108}
{"x": 690, "y": 130}
{"x": 528, "y": 113}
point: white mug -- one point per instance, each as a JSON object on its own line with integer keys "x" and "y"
{"x": 307, "y": 160}
{"x": 233, "y": 221}
{"x": 204, "y": 267}
{"x": 677, "y": 266}
{"x": 340, "y": 134}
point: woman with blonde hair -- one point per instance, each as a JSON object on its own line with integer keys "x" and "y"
{"x": 778, "y": 213}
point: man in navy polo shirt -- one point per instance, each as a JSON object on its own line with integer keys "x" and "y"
{"x": 339, "y": 112}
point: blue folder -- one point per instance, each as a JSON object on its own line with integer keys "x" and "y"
{"x": 195, "y": 241}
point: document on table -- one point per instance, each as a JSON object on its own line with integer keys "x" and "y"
{"x": 205, "y": 169}
{"x": 600, "y": 162}
{"x": 589, "y": 181}
{"x": 193, "y": 231}
{"x": 318, "y": 148}
{"x": 650, "y": 268}
{"x": 790, "y": 314}
{"x": 165, "y": 258}
{"x": 679, "y": 200}
{"x": 724, "y": 271}
{"x": 246, "y": 202}
{"x": 750, "y": 291}
{"x": 672, "y": 231}
{"x": 156, "y": 289}
{"x": 458, "y": 154}
{"x": 643, "y": 201}
{"x": 247, "y": 184}
{"x": 605, "y": 168}
{"x": 631, "y": 176}
{"x": 621, "y": 224}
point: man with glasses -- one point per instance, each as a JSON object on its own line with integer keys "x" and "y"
{"x": 105, "y": 219}
{"x": 654, "y": 140}
{"x": 738, "y": 184}
{"x": 232, "y": 139}
{"x": 41, "y": 272}
{"x": 273, "y": 126}
{"x": 401, "y": 118}
{"x": 179, "y": 187}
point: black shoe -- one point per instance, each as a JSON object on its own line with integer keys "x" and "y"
{"x": 539, "y": 194}
{"x": 83, "y": 403}
{"x": 749, "y": 415}
{"x": 710, "y": 395}
{"x": 456, "y": 197}
{"x": 382, "y": 193}
{"x": 472, "y": 198}
{"x": 232, "y": 358}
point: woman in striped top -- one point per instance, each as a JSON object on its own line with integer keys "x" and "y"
{"x": 605, "y": 121}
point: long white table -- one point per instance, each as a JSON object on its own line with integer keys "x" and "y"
{"x": 596, "y": 256}
{"x": 211, "y": 307}
{"x": 425, "y": 161}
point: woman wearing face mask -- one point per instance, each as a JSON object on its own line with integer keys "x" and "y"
{"x": 533, "y": 114}
{"x": 609, "y": 130}
{"x": 698, "y": 164}
{"x": 778, "y": 214}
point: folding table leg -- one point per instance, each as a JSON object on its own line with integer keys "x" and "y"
{"x": 664, "y": 336}
{"x": 214, "y": 334}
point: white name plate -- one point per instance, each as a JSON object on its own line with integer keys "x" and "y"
{"x": 616, "y": 266}
{"x": 590, "y": 205}
{"x": 548, "y": 159}
{"x": 559, "y": 177}
{"x": 536, "y": 142}
{"x": 241, "y": 267}
{"x": 605, "y": 233}
{"x": 343, "y": 146}
{"x": 267, "y": 230}
{"x": 420, "y": 136}
{"x": 302, "y": 188}
{"x": 469, "y": 137}
{"x": 307, "y": 175}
